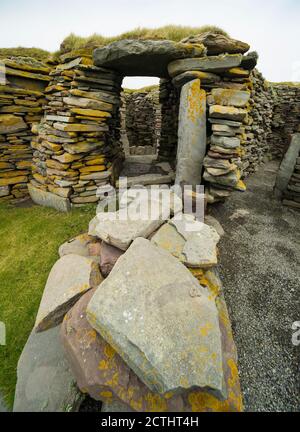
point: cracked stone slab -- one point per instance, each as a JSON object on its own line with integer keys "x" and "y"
{"x": 193, "y": 242}
{"x": 142, "y": 312}
{"x": 70, "y": 277}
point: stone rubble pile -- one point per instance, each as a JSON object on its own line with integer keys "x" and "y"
{"x": 140, "y": 340}
{"x": 22, "y": 84}
{"x": 77, "y": 150}
{"x": 286, "y": 116}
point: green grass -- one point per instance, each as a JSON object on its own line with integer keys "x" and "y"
{"x": 170, "y": 32}
{"x": 285, "y": 83}
{"x": 146, "y": 89}
{"x": 36, "y": 53}
{"x": 30, "y": 238}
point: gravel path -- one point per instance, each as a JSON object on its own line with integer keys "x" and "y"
{"x": 260, "y": 268}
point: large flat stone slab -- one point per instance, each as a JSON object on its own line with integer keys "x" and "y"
{"x": 70, "y": 277}
{"x": 228, "y": 112}
{"x": 48, "y": 199}
{"x": 100, "y": 371}
{"x": 144, "y": 57}
{"x": 229, "y": 97}
{"x": 192, "y": 242}
{"x": 121, "y": 228}
{"x": 142, "y": 312}
{"x": 212, "y": 64}
{"x": 45, "y": 382}
{"x": 10, "y": 124}
{"x": 192, "y": 140}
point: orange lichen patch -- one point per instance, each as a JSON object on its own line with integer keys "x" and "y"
{"x": 155, "y": 403}
{"x": 195, "y": 101}
{"x": 241, "y": 185}
{"x": 206, "y": 329}
{"x": 103, "y": 365}
{"x": 109, "y": 352}
{"x": 106, "y": 395}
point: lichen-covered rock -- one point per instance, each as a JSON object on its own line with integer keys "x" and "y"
{"x": 212, "y": 64}
{"x": 192, "y": 242}
{"x": 77, "y": 246}
{"x": 102, "y": 373}
{"x": 70, "y": 277}
{"x": 228, "y": 112}
{"x": 142, "y": 312}
{"x": 229, "y": 97}
{"x": 192, "y": 139}
{"x": 216, "y": 43}
{"x": 121, "y": 228}
{"x": 11, "y": 124}
{"x": 144, "y": 57}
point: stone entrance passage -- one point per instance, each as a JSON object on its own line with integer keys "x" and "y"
{"x": 204, "y": 129}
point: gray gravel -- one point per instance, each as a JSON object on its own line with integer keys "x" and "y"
{"x": 260, "y": 269}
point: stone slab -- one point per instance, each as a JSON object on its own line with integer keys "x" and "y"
{"x": 287, "y": 165}
{"x": 70, "y": 277}
{"x": 142, "y": 312}
{"x": 192, "y": 139}
{"x": 144, "y": 57}
{"x": 48, "y": 199}
{"x": 214, "y": 64}
{"x": 44, "y": 380}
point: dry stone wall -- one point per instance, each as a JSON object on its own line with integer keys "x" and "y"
{"x": 76, "y": 151}
{"x": 142, "y": 122}
{"x": 286, "y": 116}
{"x": 21, "y": 106}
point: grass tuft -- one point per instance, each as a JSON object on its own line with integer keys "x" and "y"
{"x": 30, "y": 238}
{"x": 170, "y": 32}
{"x": 36, "y": 53}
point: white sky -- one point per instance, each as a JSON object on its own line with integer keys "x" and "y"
{"x": 272, "y": 27}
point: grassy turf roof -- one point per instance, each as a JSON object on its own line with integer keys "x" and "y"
{"x": 170, "y": 32}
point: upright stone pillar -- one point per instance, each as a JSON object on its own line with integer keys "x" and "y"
{"x": 191, "y": 148}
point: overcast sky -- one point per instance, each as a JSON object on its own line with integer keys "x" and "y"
{"x": 272, "y": 27}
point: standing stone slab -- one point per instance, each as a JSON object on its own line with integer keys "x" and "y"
{"x": 212, "y": 64}
{"x": 161, "y": 321}
{"x": 287, "y": 165}
{"x": 70, "y": 277}
{"x": 45, "y": 382}
{"x": 191, "y": 134}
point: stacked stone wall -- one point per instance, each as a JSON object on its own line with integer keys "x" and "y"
{"x": 142, "y": 121}
{"x": 286, "y": 116}
{"x": 22, "y": 84}
{"x": 77, "y": 148}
